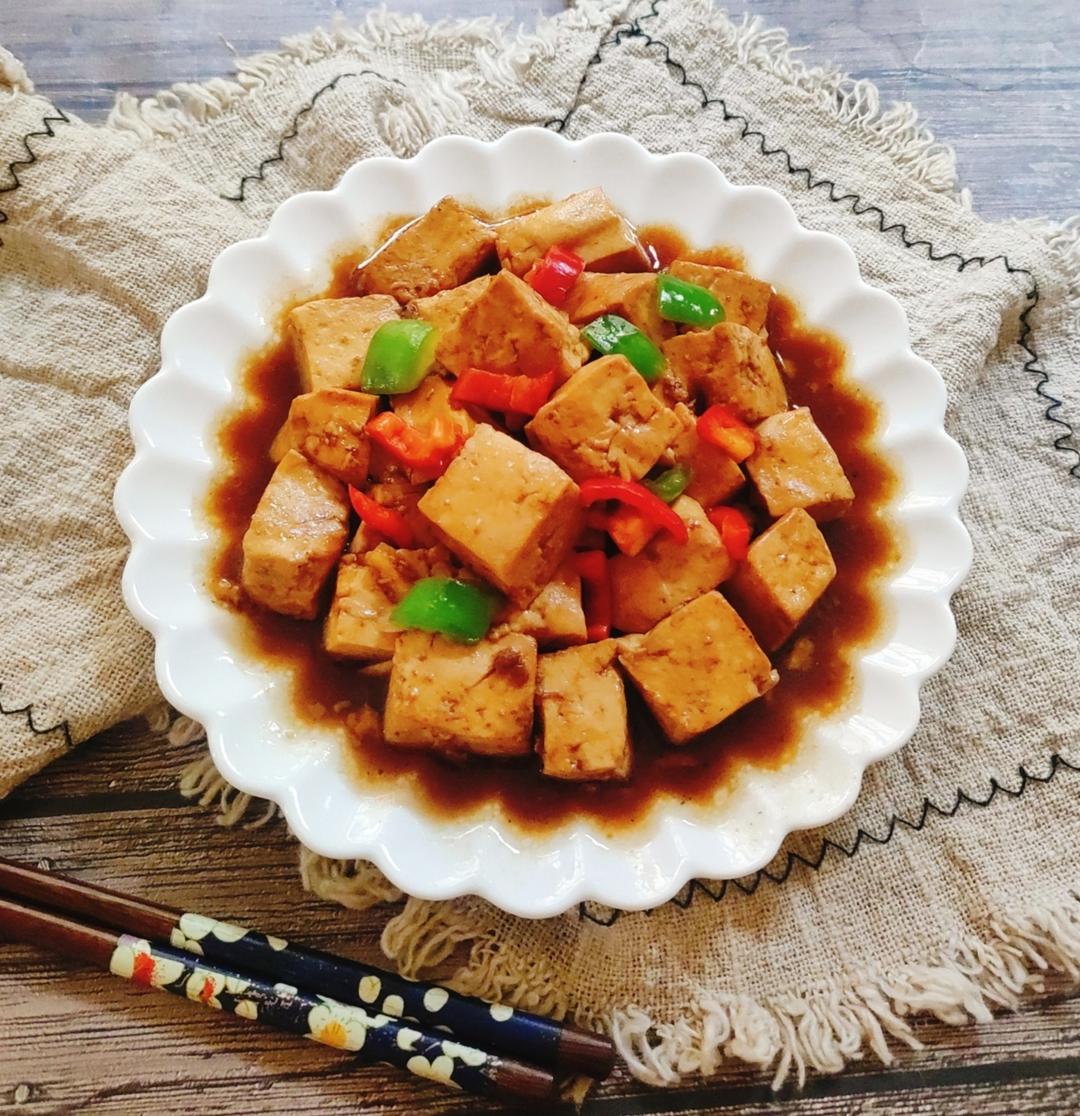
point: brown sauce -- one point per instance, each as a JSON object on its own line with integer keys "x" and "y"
{"x": 815, "y": 667}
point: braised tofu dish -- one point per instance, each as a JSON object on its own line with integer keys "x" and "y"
{"x": 547, "y": 501}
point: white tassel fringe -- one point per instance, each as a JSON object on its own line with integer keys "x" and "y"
{"x": 820, "y": 1030}
{"x": 504, "y": 59}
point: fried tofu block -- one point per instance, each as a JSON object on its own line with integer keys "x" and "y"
{"x": 368, "y": 587}
{"x": 330, "y": 338}
{"x": 296, "y": 535}
{"x": 795, "y": 467}
{"x": 457, "y": 698}
{"x": 786, "y": 570}
{"x": 673, "y": 388}
{"x": 582, "y": 706}
{"x": 327, "y": 427}
{"x": 666, "y": 574}
{"x": 440, "y": 250}
{"x": 363, "y": 540}
{"x": 630, "y": 295}
{"x": 697, "y": 667}
{"x": 430, "y": 401}
{"x": 604, "y": 421}
{"x": 507, "y": 512}
{"x": 714, "y": 477}
{"x": 555, "y": 617}
{"x": 404, "y": 497}
{"x": 397, "y": 570}
{"x": 444, "y": 310}
{"x": 745, "y": 299}
{"x": 510, "y": 328}
{"x": 358, "y": 625}
{"x": 729, "y": 364}
{"x": 586, "y": 223}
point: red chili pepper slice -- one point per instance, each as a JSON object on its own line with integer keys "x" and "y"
{"x": 389, "y": 523}
{"x": 427, "y": 452}
{"x": 592, "y": 568}
{"x": 734, "y": 530}
{"x": 721, "y": 427}
{"x": 638, "y": 497}
{"x": 596, "y": 519}
{"x": 630, "y": 531}
{"x": 554, "y": 275}
{"x": 523, "y": 395}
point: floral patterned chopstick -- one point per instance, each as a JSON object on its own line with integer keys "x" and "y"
{"x": 371, "y": 1037}
{"x": 501, "y": 1029}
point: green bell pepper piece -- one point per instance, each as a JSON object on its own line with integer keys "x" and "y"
{"x": 399, "y": 357}
{"x": 671, "y": 484}
{"x": 680, "y": 301}
{"x": 457, "y": 610}
{"x": 612, "y": 334}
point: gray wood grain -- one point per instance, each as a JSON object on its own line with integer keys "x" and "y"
{"x": 998, "y": 80}
{"x": 75, "y": 1040}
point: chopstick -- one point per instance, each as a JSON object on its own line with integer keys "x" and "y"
{"x": 372, "y": 1038}
{"x": 518, "y": 1034}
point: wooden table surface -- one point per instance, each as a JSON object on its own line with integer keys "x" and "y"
{"x": 1000, "y": 82}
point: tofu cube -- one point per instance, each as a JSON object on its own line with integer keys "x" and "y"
{"x": 786, "y": 570}
{"x": 715, "y": 478}
{"x": 697, "y": 667}
{"x": 673, "y": 388}
{"x": 729, "y": 364}
{"x": 444, "y": 310}
{"x": 457, "y": 698}
{"x": 296, "y": 536}
{"x": 327, "y": 427}
{"x": 431, "y": 401}
{"x": 630, "y": 295}
{"x": 330, "y": 338}
{"x": 666, "y": 574}
{"x": 507, "y": 512}
{"x": 397, "y": 570}
{"x": 586, "y": 223}
{"x": 582, "y": 706}
{"x": 510, "y": 328}
{"x": 795, "y": 467}
{"x": 358, "y": 625}
{"x": 745, "y": 299}
{"x": 555, "y": 617}
{"x": 604, "y": 421}
{"x": 439, "y": 250}
{"x": 368, "y": 587}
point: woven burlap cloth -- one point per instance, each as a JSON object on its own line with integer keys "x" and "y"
{"x": 949, "y": 888}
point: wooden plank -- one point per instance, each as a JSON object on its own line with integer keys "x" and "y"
{"x": 999, "y": 81}
{"x": 76, "y": 1040}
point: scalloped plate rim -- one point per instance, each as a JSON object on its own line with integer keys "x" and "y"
{"x": 676, "y": 844}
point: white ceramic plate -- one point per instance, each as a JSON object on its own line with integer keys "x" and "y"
{"x": 255, "y": 742}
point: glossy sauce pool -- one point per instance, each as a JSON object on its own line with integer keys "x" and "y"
{"x": 815, "y": 667}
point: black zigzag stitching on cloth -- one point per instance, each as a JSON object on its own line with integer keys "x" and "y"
{"x": 1065, "y": 440}
{"x": 1031, "y": 365}
{"x": 27, "y": 711}
{"x": 17, "y": 165}
{"x": 862, "y": 837}
{"x": 279, "y": 155}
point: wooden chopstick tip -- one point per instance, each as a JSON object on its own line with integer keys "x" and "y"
{"x": 585, "y": 1052}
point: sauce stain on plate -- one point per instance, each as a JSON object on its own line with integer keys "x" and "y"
{"x": 815, "y": 667}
